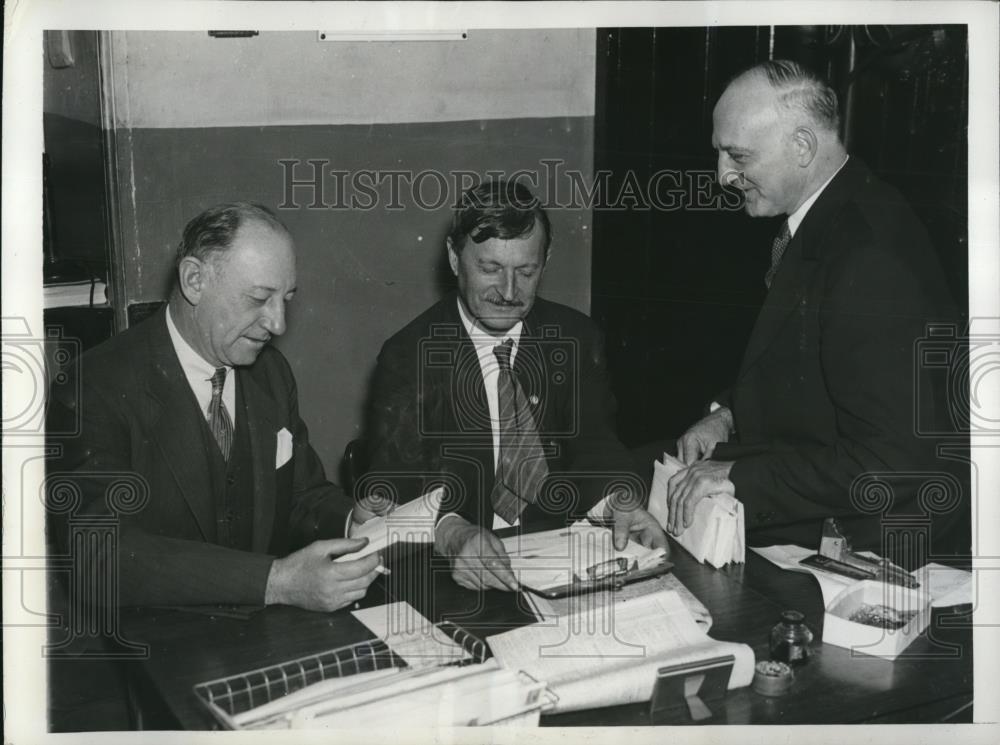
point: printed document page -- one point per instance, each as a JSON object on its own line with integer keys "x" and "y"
{"x": 622, "y": 645}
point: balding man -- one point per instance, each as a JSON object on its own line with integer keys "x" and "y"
{"x": 195, "y": 403}
{"x": 826, "y": 392}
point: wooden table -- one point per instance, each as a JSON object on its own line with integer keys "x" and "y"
{"x": 932, "y": 681}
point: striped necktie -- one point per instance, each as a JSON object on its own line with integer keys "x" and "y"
{"x": 218, "y": 417}
{"x": 522, "y": 467}
{"x": 781, "y": 242}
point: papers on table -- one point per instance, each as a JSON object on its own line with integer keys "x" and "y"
{"x": 610, "y": 655}
{"x": 411, "y": 635}
{"x": 412, "y": 522}
{"x": 945, "y": 585}
{"x": 553, "y": 558}
{"x": 549, "y": 609}
{"x": 437, "y": 688}
{"x": 716, "y": 535}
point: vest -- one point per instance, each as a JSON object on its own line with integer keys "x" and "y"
{"x": 232, "y": 482}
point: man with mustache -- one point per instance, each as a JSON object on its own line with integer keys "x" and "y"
{"x": 826, "y": 395}
{"x": 195, "y": 405}
{"x": 503, "y": 397}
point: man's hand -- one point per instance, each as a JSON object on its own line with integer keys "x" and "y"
{"x": 377, "y": 502}
{"x": 310, "y": 579}
{"x": 637, "y": 524}
{"x": 688, "y": 487}
{"x": 699, "y": 441}
{"x": 478, "y": 558}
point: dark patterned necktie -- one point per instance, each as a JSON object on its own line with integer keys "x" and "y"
{"x": 777, "y": 251}
{"x": 218, "y": 417}
{"x": 522, "y": 467}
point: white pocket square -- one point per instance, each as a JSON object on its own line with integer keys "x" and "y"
{"x": 283, "y": 454}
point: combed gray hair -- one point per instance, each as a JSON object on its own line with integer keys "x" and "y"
{"x": 801, "y": 89}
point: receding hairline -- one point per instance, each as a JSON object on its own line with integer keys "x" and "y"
{"x": 794, "y": 100}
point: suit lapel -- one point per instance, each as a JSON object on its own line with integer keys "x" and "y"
{"x": 788, "y": 292}
{"x": 175, "y": 429}
{"x": 532, "y": 374}
{"x": 262, "y": 425}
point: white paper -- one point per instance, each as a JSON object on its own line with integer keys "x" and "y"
{"x": 411, "y": 635}
{"x": 553, "y": 558}
{"x": 945, "y": 586}
{"x": 548, "y": 609}
{"x": 715, "y": 535}
{"x": 789, "y": 556}
{"x": 412, "y": 522}
{"x": 620, "y": 646}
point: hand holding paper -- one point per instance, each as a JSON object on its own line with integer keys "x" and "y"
{"x": 412, "y": 522}
{"x": 716, "y": 531}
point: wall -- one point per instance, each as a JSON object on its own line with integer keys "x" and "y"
{"x": 204, "y": 120}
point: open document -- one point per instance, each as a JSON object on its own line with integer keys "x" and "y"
{"x": 716, "y": 534}
{"x": 610, "y": 655}
{"x": 579, "y": 553}
{"x": 412, "y": 522}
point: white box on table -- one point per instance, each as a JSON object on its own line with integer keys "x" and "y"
{"x": 875, "y": 640}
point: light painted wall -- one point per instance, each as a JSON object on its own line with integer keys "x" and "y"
{"x": 502, "y": 100}
{"x": 189, "y": 79}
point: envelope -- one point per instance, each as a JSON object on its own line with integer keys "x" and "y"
{"x": 715, "y": 535}
{"x": 283, "y": 453}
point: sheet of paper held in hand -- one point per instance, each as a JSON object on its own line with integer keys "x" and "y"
{"x": 553, "y": 558}
{"x": 620, "y": 646}
{"x": 412, "y": 522}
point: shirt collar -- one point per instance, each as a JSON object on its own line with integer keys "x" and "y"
{"x": 795, "y": 219}
{"x": 482, "y": 339}
{"x": 194, "y": 365}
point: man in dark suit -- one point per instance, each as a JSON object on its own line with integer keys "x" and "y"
{"x": 820, "y": 422}
{"x": 194, "y": 404}
{"x": 503, "y": 397}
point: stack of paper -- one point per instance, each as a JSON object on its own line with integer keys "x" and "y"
{"x": 716, "y": 534}
{"x": 412, "y": 522}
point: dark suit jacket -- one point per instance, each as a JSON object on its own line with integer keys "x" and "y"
{"x": 826, "y": 391}
{"x": 137, "y": 415}
{"x": 429, "y": 420}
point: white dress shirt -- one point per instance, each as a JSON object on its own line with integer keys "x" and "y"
{"x": 485, "y": 344}
{"x": 199, "y": 374}
{"x": 795, "y": 219}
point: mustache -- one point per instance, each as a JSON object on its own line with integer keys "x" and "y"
{"x": 503, "y": 303}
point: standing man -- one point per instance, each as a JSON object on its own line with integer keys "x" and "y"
{"x": 826, "y": 391}
{"x": 197, "y": 405}
{"x": 505, "y": 396}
